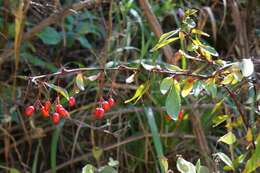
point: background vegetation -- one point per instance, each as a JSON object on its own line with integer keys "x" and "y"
{"x": 45, "y": 36}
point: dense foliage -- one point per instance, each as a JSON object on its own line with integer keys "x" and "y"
{"x": 129, "y": 86}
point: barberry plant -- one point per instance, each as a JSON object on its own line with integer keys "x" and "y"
{"x": 207, "y": 75}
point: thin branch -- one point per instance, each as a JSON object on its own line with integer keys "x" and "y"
{"x": 122, "y": 68}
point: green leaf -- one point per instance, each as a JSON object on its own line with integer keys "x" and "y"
{"x": 108, "y": 169}
{"x": 148, "y": 66}
{"x": 173, "y": 67}
{"x": 113, "y": 162}
{"x": 203, "y": 169}
{"x": 190, "y": 22}
{"x": 84, "y": 42}
{"x": 155, "y": 134}
{"x": 13, "y": 170}
{"x": 139, "y": 92}
{"x": 58, "y": 89}
{"x": 208, "y": 49}
{"x": 184, "y": 166}
{"x": 80, "y": 81}
{"x": 166, "y": 85}
{"x": 97, "y": 153}
{"x": 163, "y": 43}
{"x": 88, "y": 169}
{"x": 167, "y": 35}
{"x": 228, "y": 138}
{"x": 54, "y": 147}
{"x": 225, "y": 159}
{"x": 49, "y": 36}
{"x": 173, "y": 102}
{"x": 220, "y": 119}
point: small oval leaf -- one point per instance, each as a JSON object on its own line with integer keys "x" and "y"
{"x": 80, "y": 81}
{"x": 166, "y": 85}
{"x": 58, "y": 89}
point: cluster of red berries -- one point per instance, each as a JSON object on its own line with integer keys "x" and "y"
{"x": 104, "y": 106}
{"x": 180, "y": 116}
{"x": 60, "y": 111}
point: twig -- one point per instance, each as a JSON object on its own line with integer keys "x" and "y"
{"x": 122, "y": 68}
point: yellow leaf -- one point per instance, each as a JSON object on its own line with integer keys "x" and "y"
{"x": 249, "y": 136}
{"x": 139, "y": 92}
{"x": 227, "y": 80}
{"x": 187, "y": 88}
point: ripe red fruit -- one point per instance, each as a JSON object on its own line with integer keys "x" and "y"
{"x": 190, "y": 80}
{"x": 99, "y": 113}
{"x": 168, "y": 117}
{"x": 47, "y": 105}
{"x": 29, "y": 110}
{"x": 111, "y": 102}
{"x": 105, "y": 105}
{"x": 72, "y": 101}
{"x": 64, "y": 113}
{"x": 44, "y": 112}
{"x": 58, "y": 107}
{"x": 180, "y": 115}
{"x": 55, "y": 118}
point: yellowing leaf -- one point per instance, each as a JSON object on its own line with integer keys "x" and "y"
{"x": 197, "y": 31}
{"x": 227, "y": 80}
{"x": 139, "y": 92}
{"x": 187, "y": 88}
{"x": 164, "y": 162}
{"x": 168, "y": 35}
{"x": 163, "y": 43}
{"x": 97, "y": 152}
{"x": 80, "y": 81}
{"x": 220, "y": 119}
{"x": 228, "y": 138}
{"x": 249, "y": 135}
{"x": 58, "y": 89}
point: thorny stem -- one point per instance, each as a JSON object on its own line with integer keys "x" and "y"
{"x": 122, "y": 68}
{"x": 239, "y": 108}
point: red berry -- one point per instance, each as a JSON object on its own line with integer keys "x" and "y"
{"x": 29, "y": 110}
{"x": 47, "y": 105}
{"x": 190, "y": 80}
{"x": 58, "y": 107}
{"x": 72, "y": 101}
{"x": 99, "y": 113}
{"x": 168, "y": 117}
{"x": 44, "y": 112}
{"x": 64, "y": 113}
{"x": 180, "y": 115}
{"x": 55, "y": 118}
{"x": 105, "y": 105}
{"x": 111, "y": 102}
